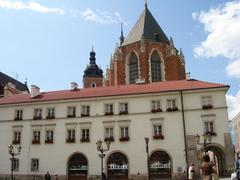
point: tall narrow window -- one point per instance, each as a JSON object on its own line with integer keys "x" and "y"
{"x": 85, "y": 135}
{"x": 15, "y": 164}
{"x": 124, "y": 134}
{"x": 123, "y": 108}
{"x": 108, "y": 109}
{"x": 109, "y": 134}
{"x": 207, "y": 102}
{"x": 71, "y": 111}
{"x": 70, "y": 136}
{"x": 85, "y": 111}
{"x": 37, "y": 113}
{"x": 155, "y": 67}
{"x": 157, "y": 134}
{"x": 50, "y": 113}
{"x": 133, "y": 68}
{"x": 49, "y": 137}
{"x": 34, "y": 165}
{"x": 16, "y": 137}
{"x": 36, "y": 137}
{"x": 209, "y": 128}
{"x": 18, "y": 114}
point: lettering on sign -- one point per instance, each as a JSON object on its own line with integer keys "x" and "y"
{"x": 116, "y": 166}
{"x": 159, "y": 165}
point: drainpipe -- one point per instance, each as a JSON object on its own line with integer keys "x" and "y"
{"x": 184, "y": 129}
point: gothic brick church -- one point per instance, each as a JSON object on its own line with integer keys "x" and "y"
{"x": 146, "y": 56}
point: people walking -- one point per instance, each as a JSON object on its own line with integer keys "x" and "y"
{"x": 47, "y": 176}
{"x": 191, "y": 172}
{"x": 207, "y": 168}
{"x": 237, "y": 167}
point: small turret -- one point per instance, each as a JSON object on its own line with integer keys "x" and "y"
{"x": 121, "y": 37}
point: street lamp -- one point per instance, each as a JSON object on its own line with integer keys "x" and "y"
{"x": 147, "y": 151}
{"x": 13, "y": 151}
{"x": 207, "y": 138}
{"x": 102, "y": 150}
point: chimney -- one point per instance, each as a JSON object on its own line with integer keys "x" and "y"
{"x": 35, "y": 91}
{"x": 188, "y": 77}
{"x": 74, "y": 86}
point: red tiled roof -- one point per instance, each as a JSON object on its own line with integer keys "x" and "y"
{"x": 168, "y": 86}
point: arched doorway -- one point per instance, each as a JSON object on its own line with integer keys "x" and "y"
{"x": 217, "y": 156}
{"x": 117, "y": 166}
{"x": 77, "y": 167}
{"x": 160, "y": 165}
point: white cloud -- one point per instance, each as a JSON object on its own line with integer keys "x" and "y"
{"x": 233, "y": 104}
{"x": 222, "y": 26}
{"x": 233, "y": 69}
{"x": 33, "y": 6}
{"x": 101, "y": 17}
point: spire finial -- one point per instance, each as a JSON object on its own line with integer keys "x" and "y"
{"x": 146, "y": 3}
{"x": 92, "y": 47}
{"x": 121, "y": 37}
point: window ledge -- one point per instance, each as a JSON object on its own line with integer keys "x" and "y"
{"x": 156, "y": 110}
{"x": 122, "y": 139}
{"x": 209, "y": 106}
{"x": 172, "y": 109}
{"x": 109, "y": 139}
{"x": 158, "y": 137}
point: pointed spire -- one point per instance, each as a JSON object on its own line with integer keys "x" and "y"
{"x": 171, "y": 41}
{"x": 121, "y": 37}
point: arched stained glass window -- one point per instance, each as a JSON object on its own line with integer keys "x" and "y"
{"x": 133, "y": 68}
{"x": 155, "y": 67}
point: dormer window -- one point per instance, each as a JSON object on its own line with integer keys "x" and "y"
{"x": 93, "y": 85}
{"x": 18, "y": 114}
{"x": 71, "y": 111}
{"x": 37, "y": 113}
{"x": 157, "y": 37}
{"x": 207, "y": 102}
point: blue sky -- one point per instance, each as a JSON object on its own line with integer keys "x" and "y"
{"x": 48, "y": 42}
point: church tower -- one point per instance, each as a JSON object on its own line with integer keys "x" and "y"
{"x": 146, "y": 55}
{"x": 93, "y": 75}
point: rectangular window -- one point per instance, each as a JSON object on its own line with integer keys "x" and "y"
{"x": 123, "y": 108}
{"x": 34, "y": 165}
{"x": 85, "y": 135}
{"x": 209, "y": 127}
{"x": 71, "y": 111}
{"x": 85, "y": 111}
{"x": 108, "y": 109}
{"x": 109, "y": 134}
{"x": 70, "y": 136}
{"x": 16, "y": 137}
{"x": 15, "y": 164}
{"x": 124, "y": 134}
{"x": 157, "y": 134}
{"x": 18, "y": 114}
{"x": 49, "y": 137}
{"x": 156, "y": 106}
{"x": 207, "y": 102}
{"x": 171, "y": 105}
{"x": 50, "y": 113}
{"x": 37, "y": 114}
{"x": 36, "y": 137}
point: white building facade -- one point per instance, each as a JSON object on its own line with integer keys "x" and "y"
{"x": 235, "y": 123}
{"x": 58, "y": 130}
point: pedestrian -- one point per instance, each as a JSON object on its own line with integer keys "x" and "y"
{"x": 47, "y": 176}
{"x": 207, "y": 168}
{"x": 191, "y": 172}
{"x": 237, "y": 167}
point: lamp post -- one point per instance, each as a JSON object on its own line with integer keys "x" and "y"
{"x": 147, "y": 151}
{"x": 102, "y": 151}
{"x": 13, "y": 151}
{"x": 207, "y": 138}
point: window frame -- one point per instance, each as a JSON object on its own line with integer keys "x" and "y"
{"x": 37, "y": 113}
{"x": 34, "y": 168}
{"x": 18, "y": 116}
